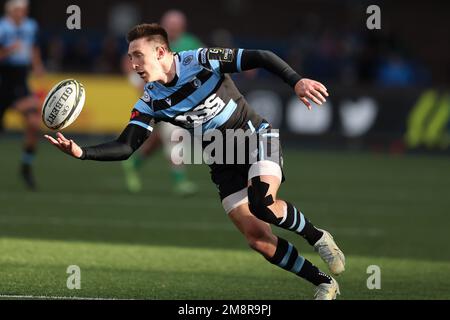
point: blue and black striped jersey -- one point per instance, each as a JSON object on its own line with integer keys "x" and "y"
{"x": 26, "y": 33}
{"x": 201, "y": 94}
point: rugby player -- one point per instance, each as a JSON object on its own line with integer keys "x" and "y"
{"x": 191, "y": 89}
{"x": 18, "y": 53}
{"x": 175, "y": 23}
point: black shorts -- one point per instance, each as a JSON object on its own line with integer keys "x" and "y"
{"x": 230, "y": 178}
{"x": 13, "y": 86}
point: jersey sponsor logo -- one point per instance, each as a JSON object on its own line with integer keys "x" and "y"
{"x": 221, "y": 54}
{"x": 202, "y": 113}
{"x": 188, "y": 60}
{"x": 228, "y": 55}
{"x": 203, "y": 58}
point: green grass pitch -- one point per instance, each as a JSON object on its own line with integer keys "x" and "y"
{"x": 384, "y": 210}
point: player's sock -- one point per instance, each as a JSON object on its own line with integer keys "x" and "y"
{"x": 28, "y": 155}
{"x": 294, "y": 220}
{"x": 286, "y": 256}
{"x": 178, "y": 175}
{"x": 137, "y": 160}
{"x": 132, "y": 178}
{"x": 182, "y": 185}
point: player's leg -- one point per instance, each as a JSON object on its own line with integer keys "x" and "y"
{"x": 161, "y": 136}
{"x": 182, "y": 185}
{"x": 265, "y": 178}
{"x": 277, "y": 250}
{"x": 150, "y": 146}
{"x": 134, "y": 164}
{"x": 28, "y": 107}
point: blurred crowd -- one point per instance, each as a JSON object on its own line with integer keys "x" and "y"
{"x": 349, "y": 57}
{"x": 342, "y": 55}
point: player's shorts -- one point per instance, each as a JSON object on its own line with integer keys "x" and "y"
{"x": 13, "y": 86}
{"x": 232, "y": 179}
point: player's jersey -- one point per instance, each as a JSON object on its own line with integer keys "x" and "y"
{"x": 26, "y": 33}
{"x": 201, "y": 94}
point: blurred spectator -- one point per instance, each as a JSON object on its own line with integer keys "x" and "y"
{"x": 122, "y": 16}
{"x": 222, "y": 38}
{"x": 322, "y": 62}
{"x": 55, "y": 53}
{"x": 394, "y": 70}
{"x": 78, "y": 56}
{"x": 340, "y": 52}
{"x": 109, "y": 60}
{"x": 174, "y": 21}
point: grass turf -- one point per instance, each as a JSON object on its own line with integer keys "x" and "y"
{"x": 390, "y": 211}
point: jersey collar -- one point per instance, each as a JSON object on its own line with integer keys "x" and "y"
{"x": 174, "y": 81}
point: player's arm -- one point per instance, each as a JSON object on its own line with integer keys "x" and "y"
{"x": 6, "y": 51}
{"x": 227, "y": 60}
{"x": 132, "y": 137}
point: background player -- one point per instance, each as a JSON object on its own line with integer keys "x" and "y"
{"x": 175, "y": 23}
{"x": 18, "y": 53}
{"x": 249, "y": 191}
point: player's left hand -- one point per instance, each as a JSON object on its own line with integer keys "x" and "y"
{"x": 310, "y": 89}
{"x": 65, "y": 145}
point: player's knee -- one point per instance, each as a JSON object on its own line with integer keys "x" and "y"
{"x": 262, "y": 212}
{"x": 259, "y": 202}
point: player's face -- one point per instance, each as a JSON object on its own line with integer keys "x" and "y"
{"x": 175, "y": 25}
{"x": 144, "y": 59}
{"x": 19, "y": 13}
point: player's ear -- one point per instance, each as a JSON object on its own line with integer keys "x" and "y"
{"x": 160, "y": 51}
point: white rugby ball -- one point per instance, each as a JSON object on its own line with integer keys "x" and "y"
{"x": 63, "y": 104}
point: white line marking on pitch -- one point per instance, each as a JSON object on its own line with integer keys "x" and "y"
{"x": 54, "y": 297}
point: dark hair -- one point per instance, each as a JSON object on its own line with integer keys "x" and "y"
{"x": 150, "y": 31}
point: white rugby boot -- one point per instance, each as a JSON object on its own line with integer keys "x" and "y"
{"x": 327, "y": 291}
{"x": 330, "y": 253}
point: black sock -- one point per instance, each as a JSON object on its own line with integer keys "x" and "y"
{"x": 310, "y": 233}
{"x": 286, "y": 256}
{"x": 28, "y": 156}
{"x": 294, "y": 220}
{"x": 311, "y": 273}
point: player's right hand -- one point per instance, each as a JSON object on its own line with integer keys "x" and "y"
{"x": 312, "y": 90}
{"x": 65, "y": 145}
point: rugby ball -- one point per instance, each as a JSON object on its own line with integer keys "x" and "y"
{"x": 63, "y": 104}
